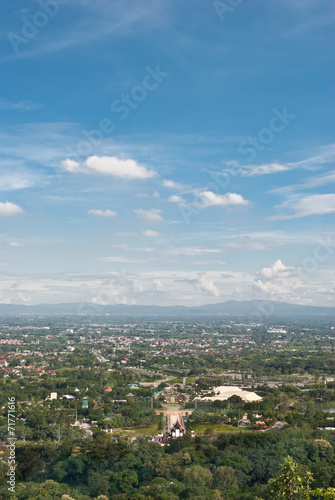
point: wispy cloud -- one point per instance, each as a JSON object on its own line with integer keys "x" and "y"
{"x": 146, "y": 195}
{"x": 191, "y": 250}
{"x": 252, "y": 243}
{"x": 93, "y": 22}
{"x": 211, "y": 262}
{"x": 316, "y": 204}
{"x": 311, "y": 182}
{"x": 21, "y": 179}
{"x": 150, "y": 233}
{"x": 24, "y": 105}
{"x": 325, "y": 155}
{"x": 122, "y": 259}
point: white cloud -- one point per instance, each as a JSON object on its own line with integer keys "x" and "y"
{"x": 152, "y": 215}
{"x": 109, "y": 165}
{"x": 210, "y": 199}
{"x": 146, "y": 195}
{"x": 158, "y": 286}
{"x": 278, "y": 282}
{"x": 277, "y": 268}
{"x": 16, "y": 244}
{"x": 4, "y": 299}
{"x": 116, "y": 286}
{"x": 8, "y": 209}
{"x": 24, "y": 105}
{"x": 171, "y": 184}
{"x": 110, "y": 298}
{"x": 71, "y": 166}
{"x": 315, "y": 204}
{"x": 176, "y": 199}
{"x": 277, "y": 290}
{"x": 136, "y": 286}
{"x": 205, "y": 199}
{"x": 103, "y": 213}
{"x": 150, "y": 233}
{"x": 206, "y": 285}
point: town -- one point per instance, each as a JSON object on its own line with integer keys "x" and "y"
{"x": 159, "y": 382}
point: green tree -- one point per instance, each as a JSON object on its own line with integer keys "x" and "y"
{"x": 293, "y": 482}
{"x": 126, "y": 479}
{"x": 98, "y": 484}
{"x": 197, "y": 475}
{"x": 224, "y": 478}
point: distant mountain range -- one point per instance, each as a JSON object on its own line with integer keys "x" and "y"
{"x": 256, "y": 310}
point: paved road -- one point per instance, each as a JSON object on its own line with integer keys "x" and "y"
{"x": 151, "y": 373}
{"x": 100, "y": 358}
{"x": 278, "y": 426}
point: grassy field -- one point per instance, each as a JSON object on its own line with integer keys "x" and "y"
{"x": 214, "y": 428}
{"x": 197, "y": 428}
{"x": 139, "y": 431}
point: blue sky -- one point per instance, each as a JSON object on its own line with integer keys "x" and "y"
{"x": 166, "y": 152}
